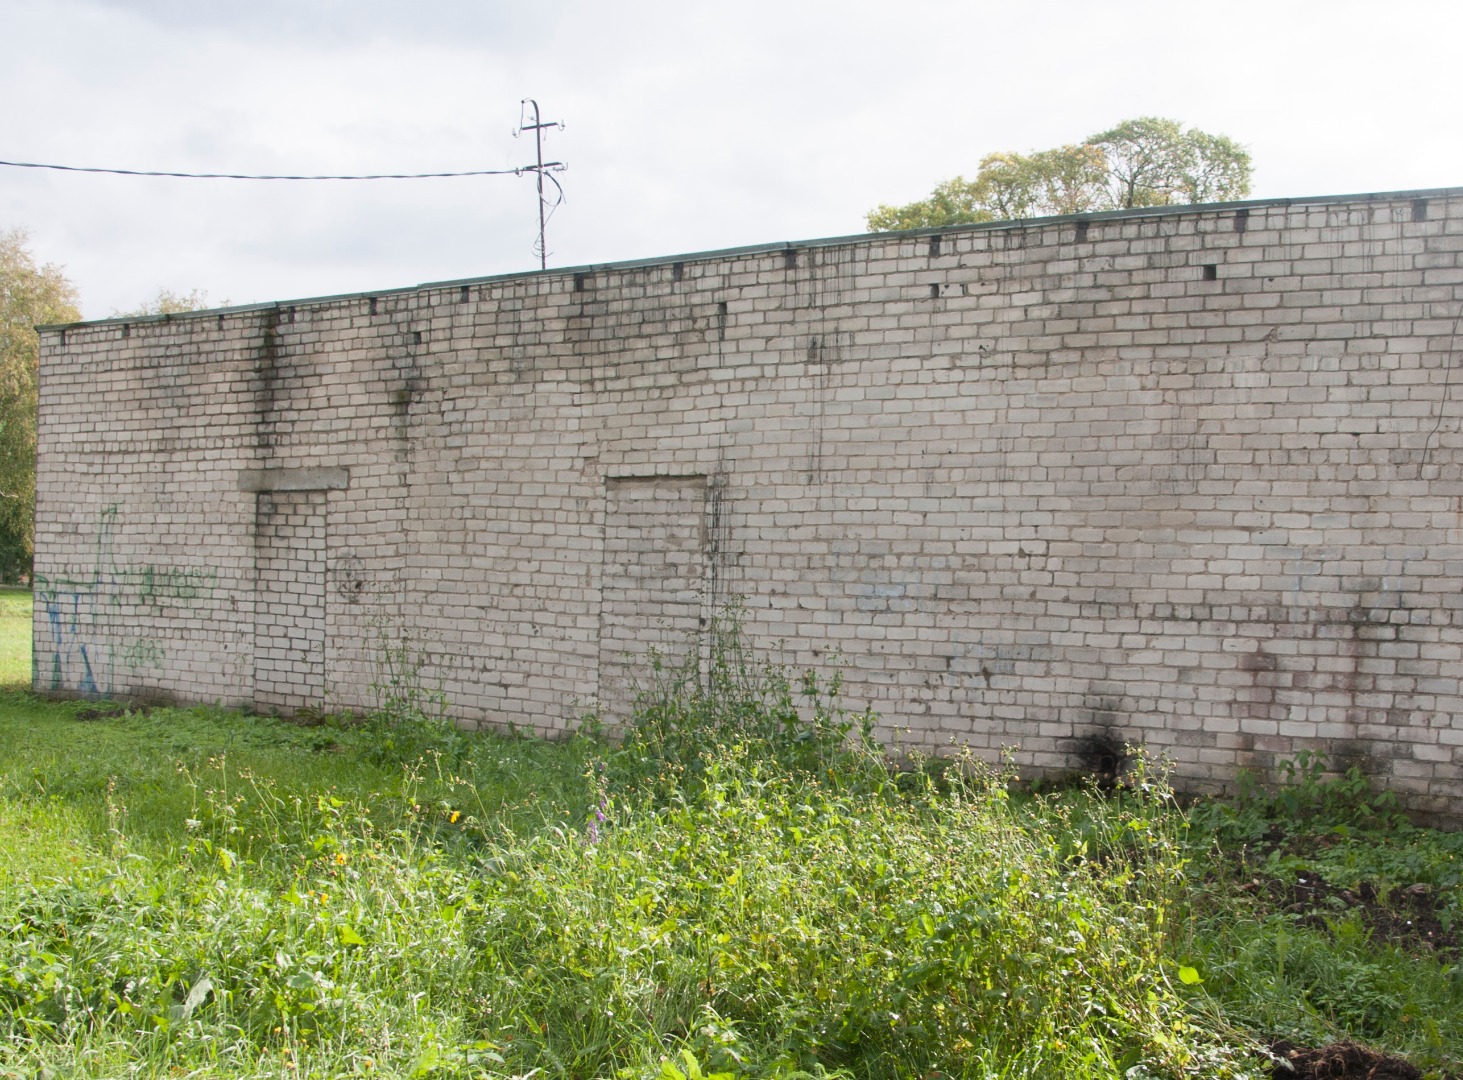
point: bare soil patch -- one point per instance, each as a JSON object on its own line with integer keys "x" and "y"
{"x": 1408, "y": 917}
{"x": 1345, "y": 1060}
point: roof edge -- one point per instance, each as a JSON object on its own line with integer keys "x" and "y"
{"x": 765, "y": 248}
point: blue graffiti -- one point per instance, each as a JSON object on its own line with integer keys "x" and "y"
{"x": 86, "y": 619}
{"x": 74, "y": 613}
{"x": 88, "y": 681}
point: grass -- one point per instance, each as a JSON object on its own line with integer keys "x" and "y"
{"x": 739, "y": 888}
{"x": 15, "y": 637}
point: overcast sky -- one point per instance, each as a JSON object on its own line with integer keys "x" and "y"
{"x": 689, "y": 126}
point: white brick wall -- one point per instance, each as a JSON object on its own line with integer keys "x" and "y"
{"x": 1190, "y": 478}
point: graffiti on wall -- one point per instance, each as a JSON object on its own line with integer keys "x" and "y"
{"x": 87, "y": 637}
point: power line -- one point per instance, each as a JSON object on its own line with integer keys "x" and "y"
{"x": 257, "y": 176}
{"x": 541, "y": 169}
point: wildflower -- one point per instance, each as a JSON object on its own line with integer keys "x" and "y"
{"x": 452, "y": 818}
{"x": 340, "y": 858}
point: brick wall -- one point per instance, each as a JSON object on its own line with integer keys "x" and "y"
{"x": 1186, "y": 478}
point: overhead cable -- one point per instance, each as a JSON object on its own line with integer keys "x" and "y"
{"x": 255, "y": 176}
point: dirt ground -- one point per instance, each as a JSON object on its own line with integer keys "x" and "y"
{"x": 1339, "y": 1061}
{"x": 1407, "y": 917}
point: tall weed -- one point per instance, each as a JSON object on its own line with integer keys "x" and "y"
{"x": 409, "y": 716}
{"x": 687, "y": 718}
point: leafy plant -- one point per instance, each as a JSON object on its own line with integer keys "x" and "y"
{"x": 199, "y": 892}
{"x": 409, "y": 717}
{"x": 687, "y": 717}
{"x": 1307, "y": 790}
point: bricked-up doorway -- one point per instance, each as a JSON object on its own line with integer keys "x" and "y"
{"x": 289, "y": 604}
{"x": 654, "y": 582}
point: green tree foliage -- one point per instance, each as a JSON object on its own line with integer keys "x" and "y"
{"x": 30, "y": 296}
{"x": 1154, "y": 162}
{"x": 1149, "y": 161}
{"x": 954, "y": 202}
{"x": 167, "y": 302}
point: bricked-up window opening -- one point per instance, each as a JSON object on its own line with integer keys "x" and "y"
{"x": 1082, "y": 227}
{"x": 1241, "y": 221}
{"x": 579, "y": 282}
{"x": 465, "y": 295}
{"x": 678, "y": 271}
{"x": 934, "y": 246}
{"x": 1211, "y": 272}
{"x": 373, "y": 305}
{"x": 289, "y": 627}
{"x": 1419, "y": 209}
{"x": 790, "y": 258}
{"x": 654, "y": 585}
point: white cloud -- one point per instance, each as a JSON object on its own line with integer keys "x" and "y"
{"x": 689, "y": 126}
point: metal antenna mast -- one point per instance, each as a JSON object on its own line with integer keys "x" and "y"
{"x": 540, "y": 170}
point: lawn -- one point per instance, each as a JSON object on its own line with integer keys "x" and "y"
{"x": 737, "y": 888}
{"x": 15, "y": 636}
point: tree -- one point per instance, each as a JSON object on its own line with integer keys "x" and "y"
{"x": 30, "y": 296}
{"x": 1154, "y": 162}
{"x": 1067, "y": 180}
{"x": 167, "y": 302}
{"x": 1149, "y": 161}
{"x": 954, "y": 202}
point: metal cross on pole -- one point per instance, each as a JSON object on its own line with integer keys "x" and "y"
{"x": 540, "y": 170}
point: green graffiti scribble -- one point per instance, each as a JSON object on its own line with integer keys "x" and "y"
{"x": 160, "y": 584}
{"x": 142, "y": 653}
{"x": 79, "y": 614}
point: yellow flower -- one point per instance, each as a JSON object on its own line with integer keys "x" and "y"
{"x": 340, "y": 858}
{"x": 455, "y": 815}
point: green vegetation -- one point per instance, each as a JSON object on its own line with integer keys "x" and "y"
{"x": 15, "y": 637}
{"x": 1150, "y": 161}
{"x": 167, "y": 302}
{"x": 31, "y": 295}
{"x": 740, "y": 887}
